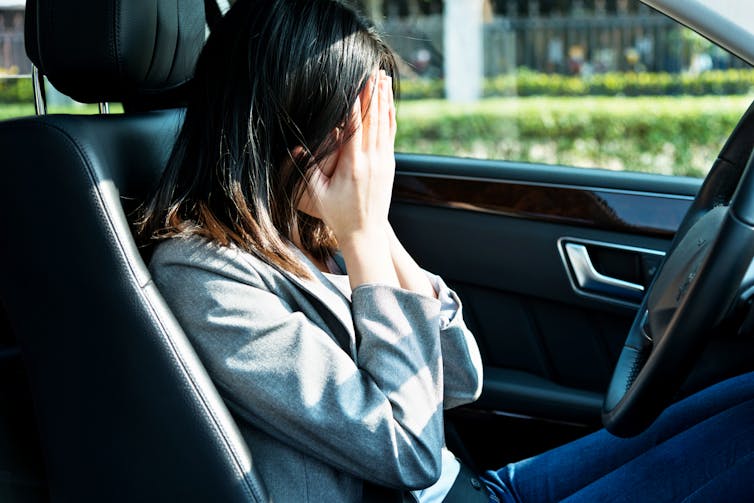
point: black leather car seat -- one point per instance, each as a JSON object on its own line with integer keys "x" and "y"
{"x": 22, "y": 477}
{"x": 126, "y": 411}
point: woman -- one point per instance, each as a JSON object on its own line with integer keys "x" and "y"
{"x": 279, "y": 183}
{"x": 285, "y": 149}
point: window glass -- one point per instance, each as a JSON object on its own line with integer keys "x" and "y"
{"x": 16, "y": 92}
{"x": 16, "y": 97}
{"x": 589, "y": 83}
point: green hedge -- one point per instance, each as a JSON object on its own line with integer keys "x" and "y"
{"x": 528, "y": 83}
{"x": 16, "y": 90}
{"x": 680, "y": 136}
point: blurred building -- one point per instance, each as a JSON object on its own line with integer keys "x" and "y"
{"x": 404, "y": 8}
{"x": 13, "y": 59}
{"x": 552, "y": 36}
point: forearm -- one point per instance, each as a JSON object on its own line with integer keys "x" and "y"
{"x": 410, "y": 275}
{"x": 368, "y": 259}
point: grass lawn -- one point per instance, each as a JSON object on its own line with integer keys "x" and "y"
{"x": 670, "y": 135}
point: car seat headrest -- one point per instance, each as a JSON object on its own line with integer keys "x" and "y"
{"x": 115, "y": 50}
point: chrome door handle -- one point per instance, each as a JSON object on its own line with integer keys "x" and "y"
{"x": 591, "y": 280}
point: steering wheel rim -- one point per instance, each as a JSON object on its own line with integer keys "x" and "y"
{"x": 696, "y": 286}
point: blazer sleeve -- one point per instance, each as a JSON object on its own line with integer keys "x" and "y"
{"x": 462, "y": 363}
{"x": 380, "y": 420}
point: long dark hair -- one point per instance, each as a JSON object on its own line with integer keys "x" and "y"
{"x": 274, "y": 80}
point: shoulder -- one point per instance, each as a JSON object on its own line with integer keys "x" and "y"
{"x": 197, "y": 277}
{"x": 195, "y": 256}
{"x": 194, "y": 249}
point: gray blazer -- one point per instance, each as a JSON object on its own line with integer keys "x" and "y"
{"x": 327, "y": 391}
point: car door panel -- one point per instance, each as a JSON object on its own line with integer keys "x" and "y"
{"x": 495, "y": 231}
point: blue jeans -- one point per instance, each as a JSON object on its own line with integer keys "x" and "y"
{"x": 699, "y": 449}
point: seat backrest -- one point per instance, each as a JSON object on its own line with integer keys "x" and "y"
{"x": 22, "y": 476}
{"x": 125, "y": 409}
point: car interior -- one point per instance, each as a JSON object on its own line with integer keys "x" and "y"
{"x": 102, "y": 396}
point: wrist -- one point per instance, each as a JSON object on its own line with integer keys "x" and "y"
{"x": 372, "y": 237}
{"x": 368, "y": 259}
{"x": 410, "y": 275}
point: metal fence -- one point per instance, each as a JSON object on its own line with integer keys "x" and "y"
{"x": 580, "y": 42}
{"x": 577, "y": 43}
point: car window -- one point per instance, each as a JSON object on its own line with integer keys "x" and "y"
{"x": 15, "y": 86}
{"x": 600, "y": 83}
{"x": 588, "y": 83}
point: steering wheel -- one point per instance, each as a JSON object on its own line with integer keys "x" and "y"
{"x": 697, "y": 287}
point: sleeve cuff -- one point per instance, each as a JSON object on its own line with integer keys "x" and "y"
{"x": 450, "y": 304}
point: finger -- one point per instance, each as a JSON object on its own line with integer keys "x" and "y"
{"x": 353, "y": 144}
{"x": 372, "y": 119}
{"x": 393, "y": 120}
{"x": 366, "y": 96}
{"x": 384, "y": 132}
